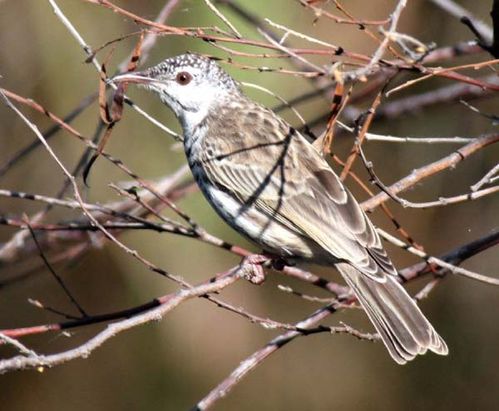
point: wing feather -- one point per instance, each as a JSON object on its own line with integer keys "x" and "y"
{"x": 288, "y": 180}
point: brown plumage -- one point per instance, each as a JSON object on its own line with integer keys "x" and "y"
{"x": 270, "y": 184}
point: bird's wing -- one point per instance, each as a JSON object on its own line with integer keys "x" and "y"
{"x": 290, "y": 181}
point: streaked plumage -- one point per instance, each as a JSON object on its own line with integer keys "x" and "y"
{"x": 270, "y": 184}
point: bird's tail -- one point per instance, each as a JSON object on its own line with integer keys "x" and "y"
{"x": 404, "y": 329}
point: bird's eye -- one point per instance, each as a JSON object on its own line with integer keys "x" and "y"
{"x": 183, "y": 78}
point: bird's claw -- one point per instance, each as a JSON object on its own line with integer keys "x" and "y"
{"x": 252, "y": 268}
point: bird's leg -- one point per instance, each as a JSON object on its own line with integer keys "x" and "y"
{"x": 278, "y": 263}
{"x": 252, "y": 266}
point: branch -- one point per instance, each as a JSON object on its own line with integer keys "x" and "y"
{"x": 167, "y": 303}
{"x": 433, "y": 168}
{"x": 258, "y": 357}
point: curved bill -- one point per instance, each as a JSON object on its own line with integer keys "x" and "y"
{"x": 137, "y": 77}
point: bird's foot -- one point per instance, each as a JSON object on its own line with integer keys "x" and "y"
{"x": 252, "y": 266}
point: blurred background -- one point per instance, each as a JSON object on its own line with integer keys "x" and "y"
{"x": 173, "y": 363}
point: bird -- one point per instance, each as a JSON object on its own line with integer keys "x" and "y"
{"x": 269, "y": 183}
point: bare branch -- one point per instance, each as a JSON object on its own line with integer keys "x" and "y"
{"x": 428, "y": 170}
{"x": 167, "y": 303}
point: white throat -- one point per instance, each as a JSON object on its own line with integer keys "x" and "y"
{"x": 190, "y": 120}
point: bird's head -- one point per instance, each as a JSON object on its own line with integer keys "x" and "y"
{"x": 189, "y": 84}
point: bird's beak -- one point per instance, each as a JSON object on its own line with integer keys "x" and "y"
{"x": 138, "y": 77}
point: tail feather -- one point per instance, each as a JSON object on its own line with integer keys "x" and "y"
{"x": 404, "y": 329}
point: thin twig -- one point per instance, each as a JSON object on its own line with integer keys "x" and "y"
{"x": 167, "y": 303}
{"x": 53, "y": 272}
{"x": 5, "y": 339}
{"x": 380, "y": 51}
{"x": 88, "y": 51}
{"x": 486, "y": 179}
{"x": 438, "y": 261}
{"x": 428, "y": 170}
{"x": 223, "y": 18}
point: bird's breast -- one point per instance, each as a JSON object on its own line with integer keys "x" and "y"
{"x": 252, "y": 223}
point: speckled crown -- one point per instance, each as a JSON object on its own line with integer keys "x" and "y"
{"x": 213, "y": 72}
